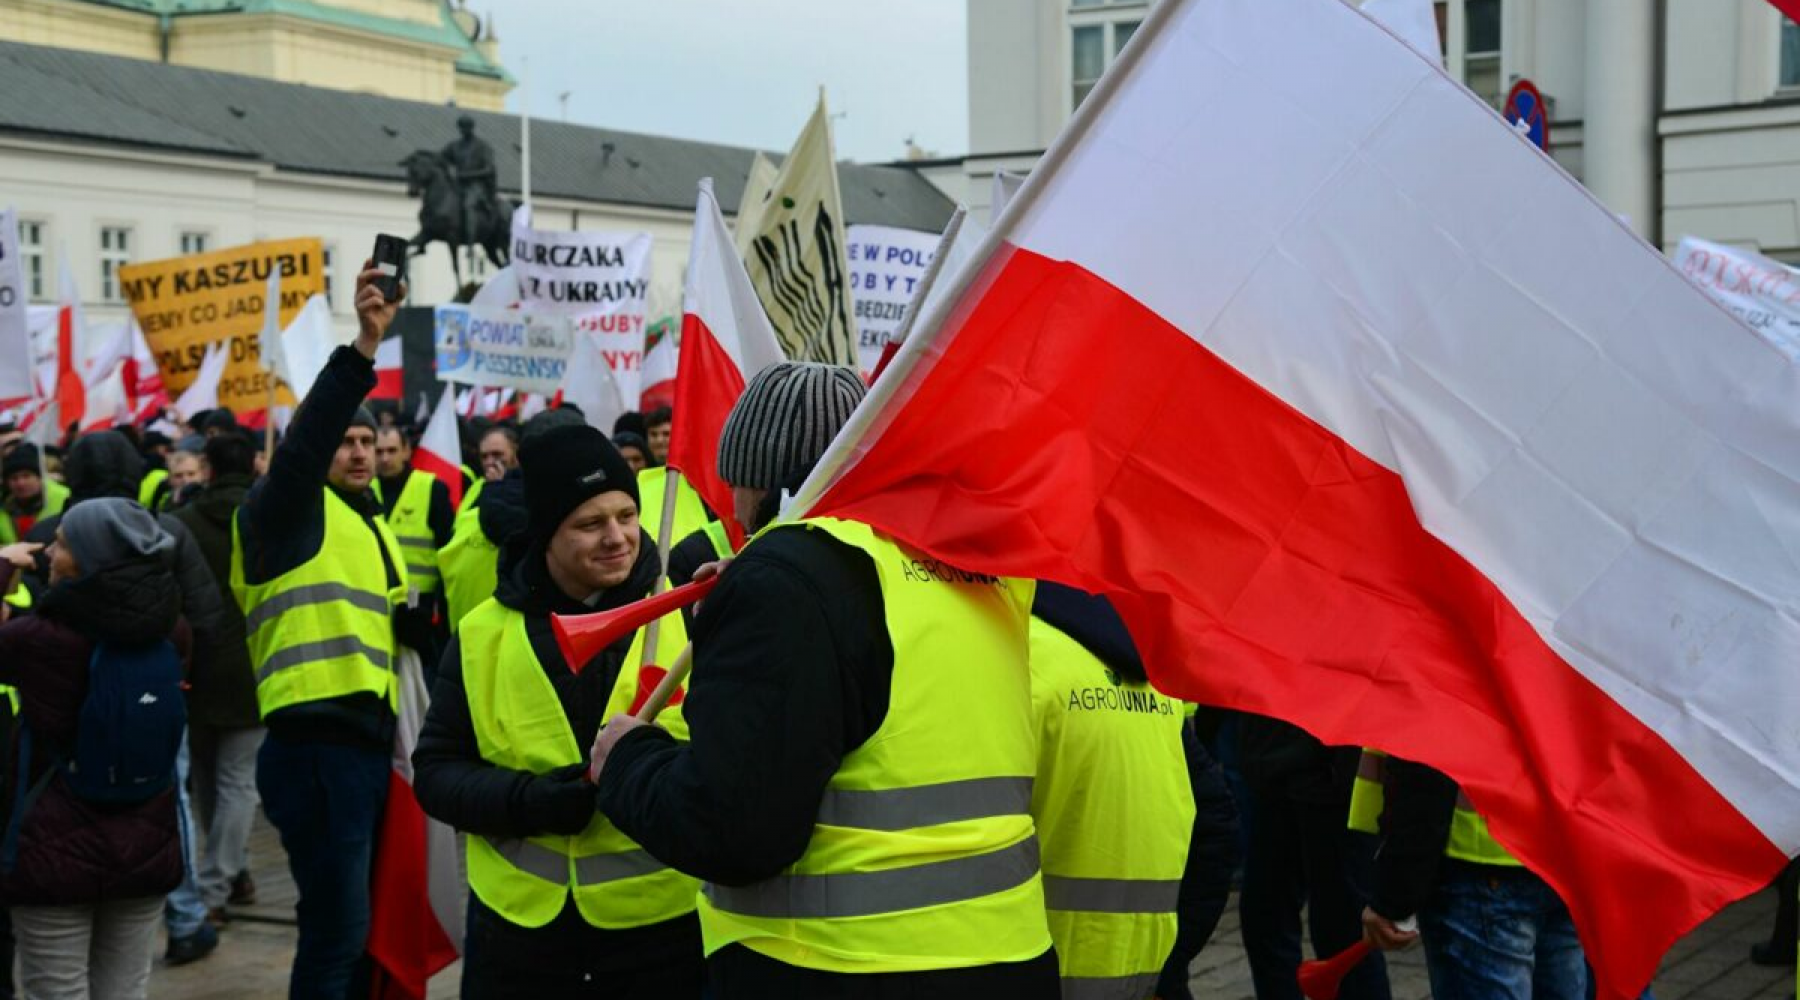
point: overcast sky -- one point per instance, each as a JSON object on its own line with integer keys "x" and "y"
{"x": 747, "y": 73}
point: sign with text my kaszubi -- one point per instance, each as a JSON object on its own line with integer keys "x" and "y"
{"x": 186, "y": 303}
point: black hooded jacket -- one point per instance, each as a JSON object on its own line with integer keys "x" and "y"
{"x": 455, "y": 785}
{"x": 106, "y": 465}
{"x": 223, "y": 691}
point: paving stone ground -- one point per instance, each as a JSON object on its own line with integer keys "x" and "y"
{"x": 258, "y": 946}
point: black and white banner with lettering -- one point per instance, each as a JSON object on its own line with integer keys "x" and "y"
{"x": 15, "y": 332}
{"x": 600, "y": 280}
{"x": 510, "y": 348}
{"x": 885, "y": 267}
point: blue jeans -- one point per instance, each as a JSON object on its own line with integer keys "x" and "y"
{"x": 183, "y": 911}
{"x": 1500, "y": 936}
{"x": 326, "y": 801}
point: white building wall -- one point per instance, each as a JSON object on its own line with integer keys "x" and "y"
{"x": 76, "y": 190}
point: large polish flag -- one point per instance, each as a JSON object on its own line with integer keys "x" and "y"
{"x": 1367, "y": 415}
{"x": 725, "y": 340}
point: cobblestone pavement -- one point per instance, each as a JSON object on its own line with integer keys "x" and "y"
{"x": 257, "y": 946}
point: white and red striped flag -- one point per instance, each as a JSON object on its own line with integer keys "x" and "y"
{"x": 661, "y": 364}
{"x": 390, "y": 371}
{"x": 440, "y": 448}
{"x": 725, "y": 340}
{"x": 1373, "y": 419}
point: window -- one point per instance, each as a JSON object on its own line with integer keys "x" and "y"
{"x": 193, "y": 241}
{"x": 1481, "y": 48}
{"x": 1790, "y": 53}
{"x": 115, "y": 252}
{"x": 31, "y": 259}
{"x": 1092, "y": 48}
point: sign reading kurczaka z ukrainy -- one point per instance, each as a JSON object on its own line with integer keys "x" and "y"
{"x": 184, "y": 304}
{"x": 600, "y": 280}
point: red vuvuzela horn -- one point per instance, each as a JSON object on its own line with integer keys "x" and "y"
{"x": 1320, "y": 980}
{"x": 580, "y": 637}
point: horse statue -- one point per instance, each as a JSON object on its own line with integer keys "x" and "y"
{"x": 443, "y": 218}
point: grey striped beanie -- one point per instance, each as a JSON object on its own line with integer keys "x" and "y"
{"x": 783, "y": 422}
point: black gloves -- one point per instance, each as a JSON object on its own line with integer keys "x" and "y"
{"x": 560, "y": 802}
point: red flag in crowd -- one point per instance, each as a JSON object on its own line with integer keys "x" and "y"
{"x": 1463, "y": 498}
{"x": 440, "y": 449}
{"x": 725, "y": 340}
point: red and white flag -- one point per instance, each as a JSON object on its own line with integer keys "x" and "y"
{"x": 440, "y": 448}
{"x": 725, "y": 340}
{"x": 390, "y": 371}
{"x": 203, "y": 392}
{"x": 1791, "y": 8}
{"x": 1371, "y": 418}
{"x": 661, "y": 363}
{"x": 416, "y": 896}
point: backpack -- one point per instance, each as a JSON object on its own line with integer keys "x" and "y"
{"x": 130, "y": 727}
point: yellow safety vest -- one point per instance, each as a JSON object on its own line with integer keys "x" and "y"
{"x": 519, "y": 724}
{"x": 720, "y": 539}
{"x": 56, "y": 497}
{"x": 325, "y": 628}
{"x": 1114, "y": 812}
{"x": 690, "y": 512}
{"x": 469, "y": 563}
{"x": 20, "y": 598}
{"x": 469, "y": 495}
{"x": 148, "y": 486}
{"x": 924, "y": 855}
{"x": 11, "y": 694}
{"x": 1469, "y": 837}
{"x": 411, "y": 523}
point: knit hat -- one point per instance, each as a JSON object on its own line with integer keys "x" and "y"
{"x": 784, "y": 421}
{"x": 23, "y": 458}
{"x": 565, "y": 467}
{"x": 364, "y": 418}
{"x": 105, "y": 532}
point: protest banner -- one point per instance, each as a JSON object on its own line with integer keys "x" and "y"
{"x": 796, "y": 256}
{"x": 15, "y": 331}
{"x": 885, "y": 267}
{"x": 184, "y": 304}
{"x": 600, "y": 280}
{"x": 508, "y": 348}
{"x": 1764, "y": 293}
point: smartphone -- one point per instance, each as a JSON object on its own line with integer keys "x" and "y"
{"x": 390, "y": 260}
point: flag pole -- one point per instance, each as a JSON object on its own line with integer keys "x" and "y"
{"x": 525, "y": 131}
{"x": 866, "y": 418}
{"x": 931, "y": 274}
{"x": 269, "y": 422}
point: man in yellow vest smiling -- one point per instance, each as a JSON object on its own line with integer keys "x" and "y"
{"x": 564, "y": 905}
{"x": 322, "y": 583}
{"x": 857, "y": 790}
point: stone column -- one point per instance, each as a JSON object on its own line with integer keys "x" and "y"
{"x": 1619, "y": 109}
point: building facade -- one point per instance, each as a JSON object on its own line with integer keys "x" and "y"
{"x": 417, "y": 50}
{"x": 113, "y": 160}
{"x": 1682, "y": 115}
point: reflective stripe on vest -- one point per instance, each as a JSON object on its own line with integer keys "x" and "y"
{"x": 411, "y": 522}
{"x": 1469, "y": 838}
{"x": 519, "y": 724}
{"x": 1114, "y": 809}
{"x": 324, "y": 629}
{"x": 923, "y": 855}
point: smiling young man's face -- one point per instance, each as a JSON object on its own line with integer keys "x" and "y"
{"x": 596, "y": 546}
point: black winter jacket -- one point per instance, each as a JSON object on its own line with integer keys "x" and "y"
{"x": 455, "y": 785}
{"x": 223, "y": 682}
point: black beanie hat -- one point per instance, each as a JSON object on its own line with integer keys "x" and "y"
{"x": 566, "y": 466}
{"x": 23, "y": 458}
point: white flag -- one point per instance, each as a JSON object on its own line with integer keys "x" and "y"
{"x": 203, "y": 392}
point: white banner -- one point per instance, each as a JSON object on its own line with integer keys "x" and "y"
{"x": 1764, "y": 293}
{"x": 15, "y": 332}
{"x": 885, "y": 267}
{"x": 503, "y": 347}
{"x": 600, "y": 280}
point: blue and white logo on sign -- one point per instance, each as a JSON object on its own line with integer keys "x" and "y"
{"x": 453, "y": 349}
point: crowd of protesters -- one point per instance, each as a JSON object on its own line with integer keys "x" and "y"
{"x": 887, "y": 778}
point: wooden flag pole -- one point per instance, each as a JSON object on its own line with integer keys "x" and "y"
{"x": 269, "y": 423}
{"x": 666, "y": 688}
{"x": 665, "y": 528}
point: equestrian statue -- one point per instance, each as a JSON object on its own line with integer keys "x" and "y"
{"x": 459, "y": 204}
